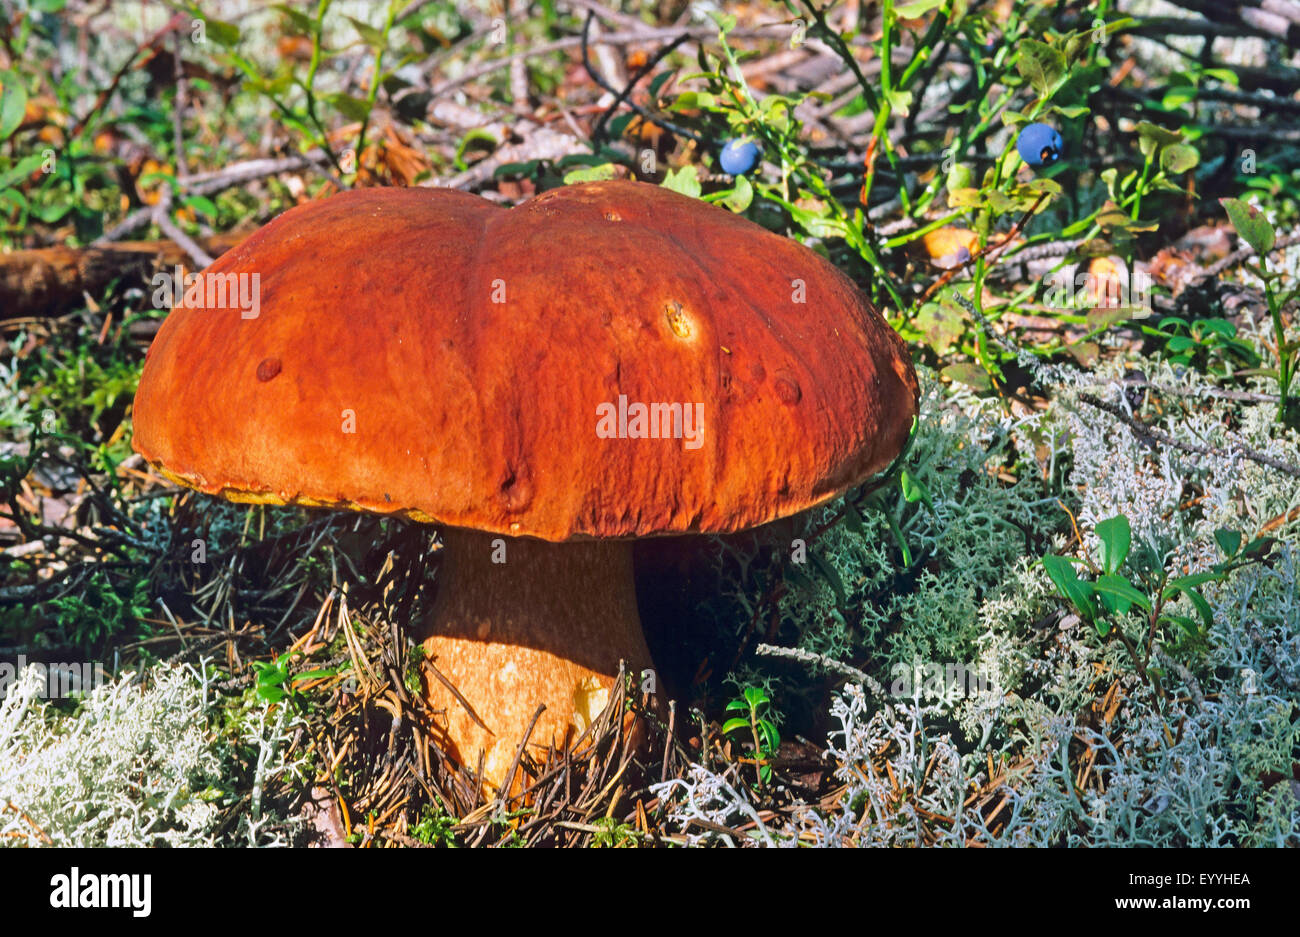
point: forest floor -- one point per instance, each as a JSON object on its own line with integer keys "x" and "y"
{"x": 1070, "y": 615}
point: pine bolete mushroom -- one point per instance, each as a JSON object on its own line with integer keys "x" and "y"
{"x": 604, "y": 362}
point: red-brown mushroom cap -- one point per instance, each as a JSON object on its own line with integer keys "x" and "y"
{"x": 423, "y": 351}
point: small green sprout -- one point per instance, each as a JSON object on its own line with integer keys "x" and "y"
{"x": 754, "y": 702}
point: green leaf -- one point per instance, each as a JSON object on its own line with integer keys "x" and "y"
{"x": 1116, "y": 220}
{"x": 1229, "y": 541}
{"x": 1152, "y": 137}
{"x": 1059, "y": 570}
{"x": 816, "y": 222}
{"x": 731, "y": 725}
{"x": 618, "y": 126}
{"x": 272, "y": 676}
{"x": 1221, "y": 327}
{"x": 1260, "y": 547}
{"x": 942, "y": 326}
{"x": 771, "y": 737}
{"x": 1116, "y": 537}
{"x": 969, "y": 374}
{"x": 13, "y": 103}
{"x": 526, "y": 169}
{"x": 1000, "y": 202}
{"x": 1041, "y": 186}
{"x": 1178, "y": 158}
{"x": 917, "y": 8}
{"x": 1040, "y": 65}
{"x": 693, "y": 100}
{"x": 1118, "y": 594}
{"x": 590, "y": 174}
{"x": 313, "y": 674}
{"x": 914, "y": 490}
{"x": 16, "y": 199}
{"x": 685, "y": 180}
{"x": 202, "y": 205}
{"x": 350, "y": 107}
{"x": 1187, "y": 586}
{"x": 1109, "y": 176}
{"x": 299, "y": 22}
{"x": 274, "y": 88}
{"x": 1079, "y": 593}
{"x": 900, "y": 102}
{"x": 22, "y": 170}
{"x": 657, "y": 83}
{"x": 582, "y": 159}
{"x": 736, "y": 704}
{"x": 476, "y": 136}
{"x": 1185, "y": 583}
{"x": 1202, "y": 606}
{"x": 1251, "y": 225}
{"x": 223, "y": 34}
{"x": 1076, "y": 44}
{"x": 962, "y": 176}
{"x": 369, "y": 34}
{"x": 1071, "y": 113}
{"x": 740, "y": 196}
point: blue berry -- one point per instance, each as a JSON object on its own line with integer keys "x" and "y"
{"x": 1039, "y": 145}
{"x": 739, "y": 156}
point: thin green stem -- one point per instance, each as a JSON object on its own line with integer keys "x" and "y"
{"x": 374, "y": 81}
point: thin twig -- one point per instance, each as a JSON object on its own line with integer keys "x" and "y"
{"x": 1241, "y": 396}
{"x": 644, "y": 114}
{"x": 162, "y": 218}
{"x": 1142, "y": 431}
{"x": 809, "y": 657}
{"x": 598, "y": 133}
{"x": 990, "y": 251}
{"x": 1240, "y": 255}
{"x": 213, "y": 182}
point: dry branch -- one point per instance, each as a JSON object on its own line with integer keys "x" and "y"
{"x": 51, "y": 280}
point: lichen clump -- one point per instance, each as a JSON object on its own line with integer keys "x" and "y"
{"x": 1063, "y": 743}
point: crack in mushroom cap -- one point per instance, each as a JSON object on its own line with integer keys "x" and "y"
{"x": 425, "y": 352}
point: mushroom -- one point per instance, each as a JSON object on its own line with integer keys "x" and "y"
{"x": 604, "y": 362}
